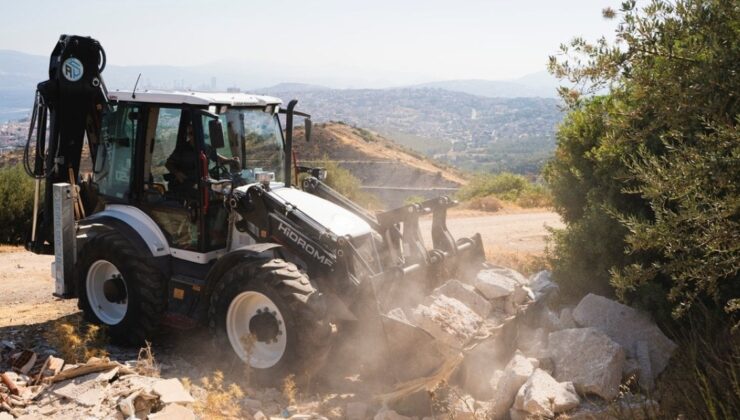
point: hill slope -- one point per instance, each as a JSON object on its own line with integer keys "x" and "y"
{"x": 384, "y": 168}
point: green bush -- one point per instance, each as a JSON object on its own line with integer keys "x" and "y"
{"x": 16, "y": 208}
{"x": 345, "y": 183}
{"x": 505, "y": 186}
{"x": 647, "y": 176}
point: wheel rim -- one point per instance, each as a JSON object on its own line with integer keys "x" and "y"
{"x": 107, "y": 292}
{"x": 256, "y": 329}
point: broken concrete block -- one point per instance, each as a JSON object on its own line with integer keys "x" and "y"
{"x": 626, "y": 326}
{"x": 492, "y": 284}
{"x": 355, "y": 411}
{"x": 465, "y": 294}
{"x": 84, "y": 390}
{"x": 172, "y": 391}
{"x": 542, "y": 395}
{"x": 589, "y": 359}
{"x": 506, "y": 384}
{"x": 448, "y": 320}
{"x": 173, "y": 412}
{"x": 24, "y": 361}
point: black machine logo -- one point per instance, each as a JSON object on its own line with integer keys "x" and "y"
{"x": 305, "y": 245}
{"x": 72, "y": 69}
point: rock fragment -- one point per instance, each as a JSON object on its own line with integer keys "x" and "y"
{"x": 465, "y": 294}
{"x": 541, "y": 395}
{"x": 589, "y": 359}
{"x": 448, "y": 320}
{"x": 173, "y": 412}
{"x": 356, "y": 411}
{"x": 506, "y": 383}
{"x": 493, "y": 283}
{"x": 172, "y": 391}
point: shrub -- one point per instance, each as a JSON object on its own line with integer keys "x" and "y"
{"x": 505, "y": 186}
{"x": 345, "y": 183}
{"x": 488, "y": 203}
{"x": 654, "y": 164}
{"x": 16, "y": 208}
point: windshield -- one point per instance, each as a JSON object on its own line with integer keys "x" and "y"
{"x": 255, "y": 137}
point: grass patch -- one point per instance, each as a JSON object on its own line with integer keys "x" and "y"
{"x": 221, "y": 401}
{"x": 76, "y": 340}
{"x": 523, "y": 262}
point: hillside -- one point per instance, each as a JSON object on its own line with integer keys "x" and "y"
{"x": 384, "y": 168}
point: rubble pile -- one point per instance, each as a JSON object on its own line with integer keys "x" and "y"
{"x": 497, "y": 345}
{"x": 522, "y": 353}
{"x": 34, "y": 387}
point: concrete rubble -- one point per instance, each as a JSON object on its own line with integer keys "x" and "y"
{"x": 499, "y": 346}
{"x": 98, "y": 388}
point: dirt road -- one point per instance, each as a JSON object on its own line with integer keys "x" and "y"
{"x": 517, "y": 232}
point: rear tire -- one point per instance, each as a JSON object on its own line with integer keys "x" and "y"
{"x": 120, "y": 289}
{"x": 269, "y": 315}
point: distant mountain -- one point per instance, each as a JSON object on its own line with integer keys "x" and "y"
{"x": 289, "y": 87}
{"x": 540, "y": 84}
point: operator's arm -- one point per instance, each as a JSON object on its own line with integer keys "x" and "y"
{"x": 173, "y": 167}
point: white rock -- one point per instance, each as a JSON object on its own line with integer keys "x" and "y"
{"x": 589, "y": 359}
{"x": 626, "y": 326}
{"x": 506, "y": 384}
{"x": 493, "y": 284}
{"x": 172, "y": 391}
{"x": 447, "y": 320}
{"x": 465, "y": 294}
{"x": 356, "y": 411}
{"x": 542, "y": 395}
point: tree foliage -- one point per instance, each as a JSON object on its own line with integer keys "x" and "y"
{"x": 16, "y": 205}
{"x": 653, "y": 164}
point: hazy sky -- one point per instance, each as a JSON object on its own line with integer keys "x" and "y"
{"x": 391, "y": 41}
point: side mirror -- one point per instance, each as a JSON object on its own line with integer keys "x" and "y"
{"x": 216, "y": 133}
{"x": 308, "y": 126}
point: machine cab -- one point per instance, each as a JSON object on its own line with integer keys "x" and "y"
{"x": 158, "y": 151}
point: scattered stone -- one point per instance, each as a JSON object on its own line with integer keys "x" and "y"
{"x": 356, "y": 411}
{"x": 465, "y": 294}
{"x": 173, "y": 412}
{"x": 492, "y": 284}
{"x": 84, "y": 390}
{"x": 589, "y": 359}
{"x": 172, "y": 391}
{"x": 515, "y": 414}
{"x": 6, "y": 416}
{"x": 506, "y": 384}
{"x": 542, "y": 395}
{"x": 260, "y": 416}
{"x": 626, "y": 326}
{"x": 448, "y": 320}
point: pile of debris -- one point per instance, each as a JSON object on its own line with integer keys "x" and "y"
{"x": 506, "y": 346}
{"x": 99, "y": 388}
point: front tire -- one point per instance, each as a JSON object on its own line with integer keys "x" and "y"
{"x": 120, "y": 289}
{"x": 271, "y": 317}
